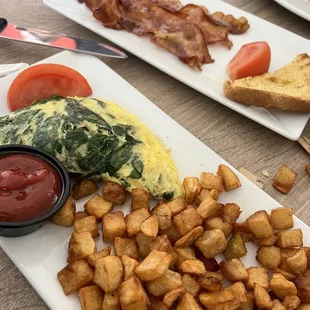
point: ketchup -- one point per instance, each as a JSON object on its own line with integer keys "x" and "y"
{"x": 29, "y": 187}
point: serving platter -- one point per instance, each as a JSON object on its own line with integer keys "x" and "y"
{"x": 299, "y": 7}
{"x": 210, "y": 80}
{"x": 40, "y": 255}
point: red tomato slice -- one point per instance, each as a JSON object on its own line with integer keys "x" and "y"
{"x": 43, "y": 81}
{"x": 251, "y": 60}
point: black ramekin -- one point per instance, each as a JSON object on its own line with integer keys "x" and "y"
{"x": 14, "y": 229}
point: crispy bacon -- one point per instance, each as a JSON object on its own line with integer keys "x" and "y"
{"x": 170, "y": 5}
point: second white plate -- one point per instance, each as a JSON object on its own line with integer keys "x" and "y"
{"x": 299, "y": 7}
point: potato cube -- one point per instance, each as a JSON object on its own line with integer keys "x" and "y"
{"x": 259, "y": 224}
{"x": 91, "y": 297}
{"x": 235, "y": 247}
{"x": 98, "y": 207}
{"x": 88, "y": 223}
{"x": 211, "y": 243}
{"x": 192, "y": 188}
{"x": 190, "y": 284}
{"x": 172, "y": 233}
{"x": 304, "y": 307}
{"x": 282, "y": 218}
{"x": 269, "y": 256}
{"x": 164, "y": 216}
{"x": 132, "y": 295}
{"x": 285, "y": 179}
{"x": 111, "y": 301}
{"x": 209, "y": 208}
{"x": 188, "y": 303}
{"x": 193, "y": 267}
{"x": 298, "y": 262}
{"x": 157, "y": 304}
{"x": 265, "y": 241}
{"x": 162, "y": 243}
{"x": 257, "y": 275}
{"x": 129, "y": 265}
{"x": 248, "y": 304}
{"x": 210, "y": 181}
{"x": 190, "y": 238}
{"x": 173, "y": 295}
{"x": 162, "y": 285}
{"x": 134, "y": 220}
{"x": 65, "y": 216}
{"x": 102, "y": 253}
{"x": 231, "y": 213}
{"x": 176, "y": 205}
{"x": 153, "y": 266}
{"x": 187, "y": 220}
{"x": 230, "y": 179}
{"x": 125, "y": 246}
{"x": 184, "y": 254}
{"x": 204, "y": 193}
{"x": 289, "y": 276}
{"x": 290, "y": 238}
{"x": 80, "y": 214}
{"x": 281, "y": 287}
{"x": 113, "y": 225}
{"x": 277, "y": 305}
{"x": 233, "y": 270}
{"x": 211, "y": 281}
{"x": 81, "y": 245}
{"x": 262, "y": 298}
{"x": 83, "y": 188}
{"x": 239, "y": 291}
{"x": 143, "y": 242}
{"x": 291, "y": 302}
{"x": 150, "y": 226}
{"x": 140, "y": 198}
{"x": 218, "y": 223}
{"x": 302, "y": 287}
{"x": 75, "y": 275}
{"x": 114, "y": 193}
{"x": 109, "y": 273}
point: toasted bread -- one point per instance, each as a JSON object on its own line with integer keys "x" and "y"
{"x": 286, "y": 89}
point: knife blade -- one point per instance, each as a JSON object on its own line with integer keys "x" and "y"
{"x": 57, "y": 40}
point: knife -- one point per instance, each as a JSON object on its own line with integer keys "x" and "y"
{"x": 13, "y": 32}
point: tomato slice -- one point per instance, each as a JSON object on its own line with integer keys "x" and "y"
{"x": 251, "y": 60}
{"x": 43, "y": 81}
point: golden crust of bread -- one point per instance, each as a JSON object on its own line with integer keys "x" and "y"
{"x": 286, "y": 89}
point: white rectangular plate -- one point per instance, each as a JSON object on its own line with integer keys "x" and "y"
{"x": 284, "y": 46}
{"x": 299, "y": 7}
{"x": 40, "y": 255}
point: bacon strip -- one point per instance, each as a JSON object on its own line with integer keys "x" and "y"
{"x": 170, "y": 5}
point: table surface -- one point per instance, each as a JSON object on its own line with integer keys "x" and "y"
{"x": 240, "y": 141}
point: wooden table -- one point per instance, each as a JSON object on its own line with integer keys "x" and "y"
{"x": 237, "y": 139}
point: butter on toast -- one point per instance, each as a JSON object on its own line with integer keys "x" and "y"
{"x": 287, "y": 88}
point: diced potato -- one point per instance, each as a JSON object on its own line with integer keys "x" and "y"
{"x": 211, "y": 281}
{"x": 304, "y": 307}
{"x": 98, "y": 207}
{"x": 209, "y": 208}
{"x": 285, "y": 179}
{"x": 289, "y": 276}
{"x": 282, "y": 218}
{"x": 74, "y": 276}
{"x": 81, "y": 245}
{"x": 290, "y": 238}
{"x": 176, "y": 205}
{"x": 164, "y": 216}
{"x": 173, "y": 295}
{"x": 243, "y": 230}
{"x": 125, "y": 246}
{"x": 192, "y": 188}
{"x": 298, "y": 262}
{"x": 248, "y": 304}
{"x": 150, "y": 226}
{"x": 140, "y": 198}
{"x": 303, "y": 288}
{"x": 259, "y": 224}
{"x": 190, "y": 238}
{"x": 157, "y": 304}
{"x": 257, "y": 275}
{"x": 204, "y": 193}
{"x": 190, "y": 284}
{"x": 188, "y": 303}
{"x": 114, "y": 193}
{"x": 88, "y": 223}
{"x": 230, "y": 179}
{"x": 153, "y": 266}
{"x": 233, "y": 270}
{"x": 265, "y": 241}
{"x": 91, "y": 297}
{"x": 211, "y": 243}
{"x": 281, "y": 287}
{"x": 184, "y": 254}
{"x": 218, "y": 223}
{"x": 187, "y": 220}
{"x": 162, "y": 285}
{"x": 65, "y": 216}
{"x": 132, "y": 295}
{"x": 113, "y": 225}
{"x": 143, "y": 242}
{"x": 231, "y": 213}
{"x": 193, "y": 267}
{"x": 129, "y": 265}
{"x": 277, "y": 305}
{"x": 210, "y": 181}
{"x": 134, "y": 220}
{"x": 102, "y": 253}
{"x": 109, "y": 273}
{"x": 111, "y": 301}
{"x": 80, "y": 214}
{"x": 83, "y": 188}
{"x": 262, "y": 298}
{"x": 172, "y": 233}
{"x": 235, "y": 247}
{"x": 307, "y": 168}
{"x": 269, "y": 256}
{"x": 291, "y": 302}
{"x": 211, "y": 264}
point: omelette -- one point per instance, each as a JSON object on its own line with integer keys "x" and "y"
{"x": 96, "y": 139}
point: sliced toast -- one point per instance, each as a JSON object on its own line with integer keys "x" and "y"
{"x": 287, "y": 89}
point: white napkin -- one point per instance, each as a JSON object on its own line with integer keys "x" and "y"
{"x": 11, "y": 68}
